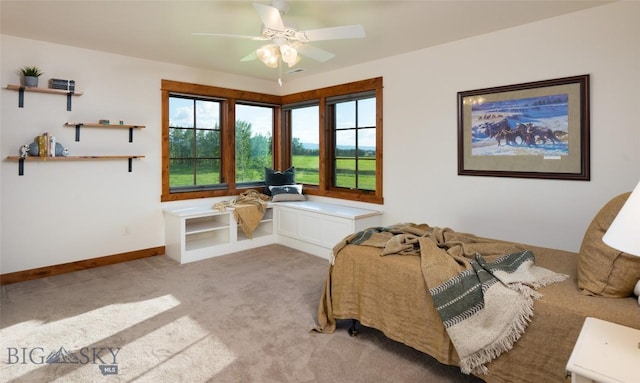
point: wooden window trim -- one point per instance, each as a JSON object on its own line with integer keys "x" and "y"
{"x": 229, "y": 97}
{"x": 281, "y": 158}
{"x": 325, "y": 145}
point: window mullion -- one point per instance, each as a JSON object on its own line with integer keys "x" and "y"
{"x": 355, "y": 154}
{"x": 195, "y": 145}
{"x": 229, "y": 143}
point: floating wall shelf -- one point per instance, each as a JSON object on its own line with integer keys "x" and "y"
{"x": 78, "y": 125}
{"x": 22, "y": 89}
{"x": 21, "y": 160}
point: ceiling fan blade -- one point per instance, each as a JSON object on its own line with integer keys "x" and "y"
{"x": 270, "y": 16}
{"x": 333, "y": 33}
{"x": 250, "y": 57}
{"x": 314, "y": 52}
{"x": 257, "y": 38}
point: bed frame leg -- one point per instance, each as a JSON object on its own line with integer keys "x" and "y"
{"x": 353, "y": 331}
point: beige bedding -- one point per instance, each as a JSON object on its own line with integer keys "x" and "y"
{"x": 388, "y": 293}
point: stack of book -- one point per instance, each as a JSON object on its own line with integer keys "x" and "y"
{"x": 56, "y": 83}
{"x": 46, "y": 145}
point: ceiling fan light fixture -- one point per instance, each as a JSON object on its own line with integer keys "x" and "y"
{"x": 297, "y": 60}
{"x": 287, "y": 43}
{"x": 289, "y": 54}
{"x": 268, "y": 54}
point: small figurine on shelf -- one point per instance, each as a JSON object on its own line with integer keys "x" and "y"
{"x": 24, "y": 151}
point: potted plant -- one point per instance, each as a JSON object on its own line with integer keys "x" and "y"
{"x": 30, "y": 75}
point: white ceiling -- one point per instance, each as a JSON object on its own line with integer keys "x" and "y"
{"x": 162, "y": 30}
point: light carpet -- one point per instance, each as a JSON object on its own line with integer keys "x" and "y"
{"x": 242, "y": 317}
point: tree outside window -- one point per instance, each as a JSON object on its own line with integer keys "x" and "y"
{"x": 217, "y": 141}
{"x": 194, "y": 142}
{"x": 254, "y": 131}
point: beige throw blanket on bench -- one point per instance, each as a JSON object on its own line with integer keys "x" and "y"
{"x": 248, "y": 209}
{"x": 483, "y": 289}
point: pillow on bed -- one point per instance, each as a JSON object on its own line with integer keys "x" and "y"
{"x": 602, "y": 270}
{"x": 274, "y": 178}
{"x": 287, "y": 193}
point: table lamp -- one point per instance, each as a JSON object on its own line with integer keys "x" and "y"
{"x": 624, "y": 232}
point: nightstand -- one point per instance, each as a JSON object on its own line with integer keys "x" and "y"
{"x": 605, "y": 353}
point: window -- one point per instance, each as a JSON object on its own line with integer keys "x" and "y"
{"x": 217, "y": 141}
{"x": 353, "y": 125}
{"x": 305, "y": 144}
{"x": 254, "y": 130}
{"x": 336, "y": 140}
{"x": 194, "y": 143}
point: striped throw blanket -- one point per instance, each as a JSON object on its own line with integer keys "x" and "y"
{"x": 483, "y": 289}
{"x": 484, "y": 301}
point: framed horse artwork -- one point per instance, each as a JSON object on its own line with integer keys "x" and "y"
{"x": 530, "y": 130}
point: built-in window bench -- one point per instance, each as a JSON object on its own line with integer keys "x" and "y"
{"x": 199, "y": 232}
{"x": 316, "y": 227}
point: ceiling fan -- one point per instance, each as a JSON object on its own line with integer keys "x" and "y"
{"x": 288, "y": 43}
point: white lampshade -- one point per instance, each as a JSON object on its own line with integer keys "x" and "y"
{"x": 268, "y": 54}
{"x": 289, "y": 54}
{"x": 624, "y": 232}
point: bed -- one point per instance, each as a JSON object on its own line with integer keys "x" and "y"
{"x": 389, "y": 293}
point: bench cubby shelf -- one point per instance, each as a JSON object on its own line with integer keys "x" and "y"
{"x": 265, "y": 229}
{"x": 21, "y": 89}
{"x": 196, "y": 233}
{"x": 206, "y": 231}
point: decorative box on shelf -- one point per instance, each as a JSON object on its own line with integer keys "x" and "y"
{"x": 66, "y": 85}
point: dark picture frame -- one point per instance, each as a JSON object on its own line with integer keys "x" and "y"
{"x": 530, "y": 130}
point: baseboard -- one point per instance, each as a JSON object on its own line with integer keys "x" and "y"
{"x": 42, "y": 272}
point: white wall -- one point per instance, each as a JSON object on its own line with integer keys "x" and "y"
{"x": 61, "y": 212}
{"x": 420, "y": 154}
{"x": 69, "y": 211}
